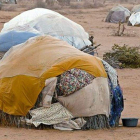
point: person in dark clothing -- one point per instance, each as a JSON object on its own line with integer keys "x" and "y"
{"x": 91, "y": 40}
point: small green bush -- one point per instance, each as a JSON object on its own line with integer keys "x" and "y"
{"x": 123, "y": 57}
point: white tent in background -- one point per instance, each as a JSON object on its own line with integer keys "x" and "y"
{"x": 50, "y": 23}
{"x": 135, "y": 9}
{"x": 134, "y": 19}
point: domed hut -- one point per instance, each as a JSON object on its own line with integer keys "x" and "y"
{"x": 135, "y": 9}
{"x": 134, "y": 19}
{"x": 47, "y": 81}
{"x": 51, "y": 23}
{"x": 118, "y": 14}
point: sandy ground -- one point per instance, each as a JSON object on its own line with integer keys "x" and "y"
{"x": 112, "y": 134}
{"x": 93, "y": 21}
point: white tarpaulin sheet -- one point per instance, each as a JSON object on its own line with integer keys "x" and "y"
{"x": 50, "y": 23}
{"x": 135, "y": 19}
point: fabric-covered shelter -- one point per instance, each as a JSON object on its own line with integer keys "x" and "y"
{"x": 134, "y": 19}
{"x": 118, "y": 14}
{"x": 79, "y": 90}
{"x": 135, "y": 9}
{"x": 50, "y": 23}
{"x": 37, "y": 63}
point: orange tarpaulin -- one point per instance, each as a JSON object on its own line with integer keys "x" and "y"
{"x": 25, "y": 67}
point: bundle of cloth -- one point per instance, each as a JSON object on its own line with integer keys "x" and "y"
{"x": 60, "y": 87}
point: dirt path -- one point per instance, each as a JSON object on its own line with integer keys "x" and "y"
{"x": 112, "y": 134}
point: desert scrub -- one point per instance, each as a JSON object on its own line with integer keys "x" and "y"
{"x": 123, "y": 56}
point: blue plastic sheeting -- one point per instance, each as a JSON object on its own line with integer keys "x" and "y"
{"x": 12, "y": 38}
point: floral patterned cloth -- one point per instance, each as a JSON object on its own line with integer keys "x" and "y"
{"x": 73, "y": 80}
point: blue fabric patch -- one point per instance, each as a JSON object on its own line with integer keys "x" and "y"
{"x": 12, "y": 38}
{"x": 117, "y": 104}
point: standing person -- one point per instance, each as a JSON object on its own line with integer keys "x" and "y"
{"x": 91, "y": 40}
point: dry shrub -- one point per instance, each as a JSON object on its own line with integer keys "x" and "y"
{"x": 76, "y": 5}
{"x": 122, "y": 31}
{"x": 123, "y": 56}
{"x": 98, "y": 4}
{"x": 88, "y": 5}
{"x": 64, "y": 2}
{"x": 130, "y": 34}
{"x": 39, "y": 4}
{"x": 81, "y": 5}
{"x": 54, "y": 7}
{"x": 1, "y": 6}
{"x": 9, "y": 7}
{"x": 80, "y": 11}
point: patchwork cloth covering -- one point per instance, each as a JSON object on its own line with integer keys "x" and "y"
{"x": 89, "y": 101}
{"x": 82, "y": 79}
{"x": 84, "y": 97}
{"x": 73, "y": 80}
{"x": 42, "y": 58}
